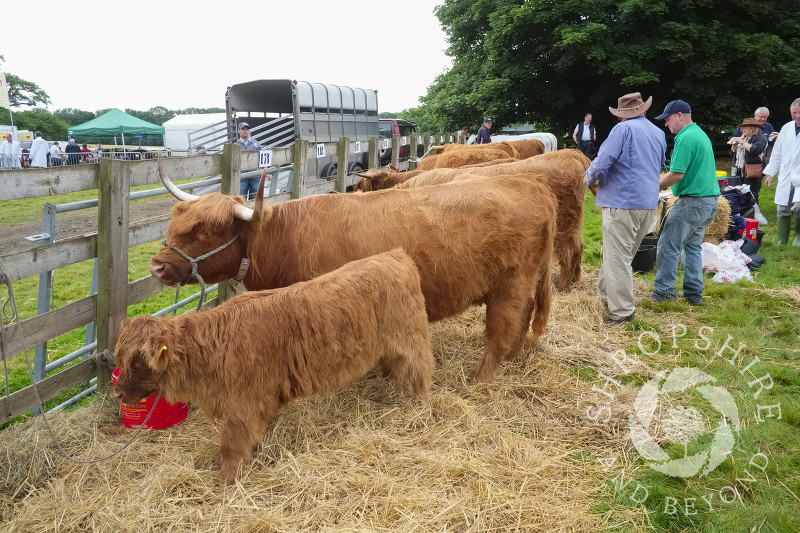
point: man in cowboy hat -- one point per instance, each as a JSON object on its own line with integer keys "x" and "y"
{"x": 626, "y": 169}
{"x": 693, "y": 178}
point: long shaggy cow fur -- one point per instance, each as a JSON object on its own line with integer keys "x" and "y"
{"x": 563, "y": 171}
{"x": 244, "y": 360}
{"x": 505, "y": 146}
{"x": 528, "y": 147}
{"x": 478, "y": 242}
{"x": 459, "y": 158}
{"x": 377, "y": 180}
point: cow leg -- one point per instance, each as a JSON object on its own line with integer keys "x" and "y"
{"x": 569, "y": 250}
{"x": 413, "y": 362}
{"x": 516, "y": 348}
{"x": 237, "y": 439}
{"x": 506, "y": 312}
{"x": 542, "y": 298}
{"x": 539, "y": 303}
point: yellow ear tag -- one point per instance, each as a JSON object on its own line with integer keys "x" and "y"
{"x": 162, "y": 350}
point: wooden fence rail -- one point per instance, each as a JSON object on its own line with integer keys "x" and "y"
{"x": 113, "y": 179}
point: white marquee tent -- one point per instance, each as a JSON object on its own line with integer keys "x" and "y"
{"x": 177, "y": 129}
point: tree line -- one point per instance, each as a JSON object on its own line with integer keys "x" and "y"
{"x": 549, "y": 63}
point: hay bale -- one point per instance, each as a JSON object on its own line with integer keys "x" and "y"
{"x": 715, "y": 232}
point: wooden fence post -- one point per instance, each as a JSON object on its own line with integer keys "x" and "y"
{"x": 412, "y": 154}
{"x": 374, "y": 152}
{"x": 395, "y": 150}
{"x": 229, "y": 184}
{"x": 231, "y": 169}
{"x": 300, "y": 173}
{"x": 113, "y": 218}
{"x": 342, "y": 151}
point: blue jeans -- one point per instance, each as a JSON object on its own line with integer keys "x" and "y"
{"x": 248, "y": 187}
{"x": 684, "y": 230}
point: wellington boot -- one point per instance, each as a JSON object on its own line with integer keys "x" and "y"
{"x": 796, "y": 241}
{"x": 784, "y": 226}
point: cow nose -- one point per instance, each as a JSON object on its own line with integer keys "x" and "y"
{"x": 156, "y": 270}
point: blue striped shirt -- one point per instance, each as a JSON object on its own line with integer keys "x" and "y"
{"x": 628, "y": 165}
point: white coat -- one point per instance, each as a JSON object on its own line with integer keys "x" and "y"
{"x": 39, "y": 152}
{"x": 785, "y": 159}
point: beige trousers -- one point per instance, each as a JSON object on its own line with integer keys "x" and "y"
{"x": 623, "y": 231}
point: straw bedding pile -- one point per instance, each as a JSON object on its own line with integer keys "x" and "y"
{"x": 518, "y": 454}
{"x": 715, "y": 232}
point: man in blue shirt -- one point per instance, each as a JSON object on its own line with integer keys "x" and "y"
{"x": 626, "y": 169}
{"x": 248, "y": 187}
{"x": 483, "y": 136}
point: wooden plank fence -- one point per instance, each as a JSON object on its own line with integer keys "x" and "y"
{"x": 113, "y": 179}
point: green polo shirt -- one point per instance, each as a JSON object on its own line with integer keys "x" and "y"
{"x": 693, "y": 156}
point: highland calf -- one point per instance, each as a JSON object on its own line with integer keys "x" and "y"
{"x": 244, "y": 360}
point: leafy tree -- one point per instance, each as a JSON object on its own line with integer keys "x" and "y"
{"x": 156, "y": 115}
{"x": 23, "y": 92}
{"x": 551, "y": 62}
{"x": 74, "y": 117}
{"x": 52, "y": 127}
{"x": 427, "y": 121}
{"x": 199, "y": 110}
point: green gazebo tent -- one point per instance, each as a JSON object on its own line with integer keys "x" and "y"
{"x": 116, "y": 122}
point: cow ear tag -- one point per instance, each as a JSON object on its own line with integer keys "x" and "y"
{"x": 163, "y": 349}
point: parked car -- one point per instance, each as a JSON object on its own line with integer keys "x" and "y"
{"x": 395, "y": 126}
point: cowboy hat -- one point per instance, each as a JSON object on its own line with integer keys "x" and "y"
{"x": 631, "y": 105}
{"x": 749, "y": 122}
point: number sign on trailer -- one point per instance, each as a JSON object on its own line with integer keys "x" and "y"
{"x": 264, "y": 158}
{"x": 320, "y": 150}
{"x": 387, "y": 143}
{"x": 356, "y": 147}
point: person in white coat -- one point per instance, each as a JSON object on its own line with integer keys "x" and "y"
{"x": 10, "y": 153}
{"x": 785, "y": 162}
{"x": 39, "y": 151}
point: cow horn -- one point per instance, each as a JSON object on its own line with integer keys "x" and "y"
{"x": 258, "y": 206}
{"x": 176, "y": 192}
{"x": 242, "y": 212}
{"x": 362, "y": 174}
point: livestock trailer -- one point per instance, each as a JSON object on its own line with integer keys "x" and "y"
{"x": 281, "y": 111}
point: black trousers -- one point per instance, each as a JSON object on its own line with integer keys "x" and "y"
{"x": 585, "y": 147}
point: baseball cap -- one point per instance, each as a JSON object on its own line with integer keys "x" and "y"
{"x": 243, "y": 125}
{"x": 675, "y": 106}
{"x": 487, "y": 119}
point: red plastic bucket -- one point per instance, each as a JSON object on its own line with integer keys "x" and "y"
{"x": 164, "y": 415}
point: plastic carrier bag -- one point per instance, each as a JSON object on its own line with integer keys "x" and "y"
{"x": 726, "y": 261}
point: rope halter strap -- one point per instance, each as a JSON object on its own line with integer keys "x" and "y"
{"x": 193, "y": 261}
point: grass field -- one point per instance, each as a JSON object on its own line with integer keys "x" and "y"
{"x": 743, "y": 339}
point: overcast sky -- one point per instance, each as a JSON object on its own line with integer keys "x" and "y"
{"x": 94, "y": 55}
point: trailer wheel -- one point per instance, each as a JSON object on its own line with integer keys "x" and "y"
{"x": 355, "y": 166}
{"x": 328, "y": 171}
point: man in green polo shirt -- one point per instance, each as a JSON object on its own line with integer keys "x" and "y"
{"x": 692, "y": 176}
